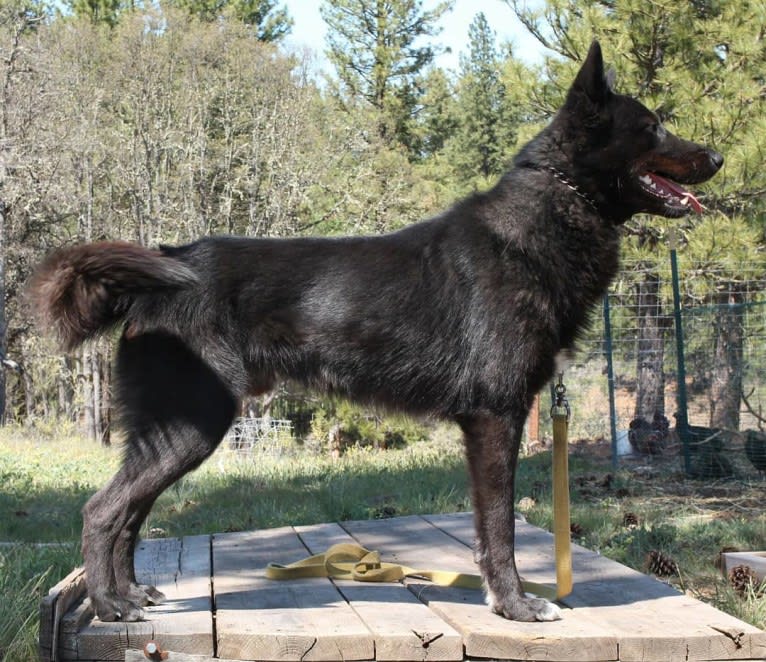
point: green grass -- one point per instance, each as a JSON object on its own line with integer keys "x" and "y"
{"x": 44, "y": 484}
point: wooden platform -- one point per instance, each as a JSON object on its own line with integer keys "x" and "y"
{"x": 220, "y": 605}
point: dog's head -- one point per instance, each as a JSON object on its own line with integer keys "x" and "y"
{"x": 622, "y": 155}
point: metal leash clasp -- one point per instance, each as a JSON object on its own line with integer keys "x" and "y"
{"x": 561, "y": 404}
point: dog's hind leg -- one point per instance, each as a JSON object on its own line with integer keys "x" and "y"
{"x": 175, "y": 410}
{"x": 492, "y": 447}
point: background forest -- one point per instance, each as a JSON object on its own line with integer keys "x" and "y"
{"x": 165, "y": 121}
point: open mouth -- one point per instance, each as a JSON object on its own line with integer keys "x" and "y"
{"x": 671, "y": 194}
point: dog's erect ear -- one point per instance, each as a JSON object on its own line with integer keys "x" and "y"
{"x": 591, "y": 80}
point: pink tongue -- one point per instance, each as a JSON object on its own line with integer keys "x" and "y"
{"x": 676, "y": 191}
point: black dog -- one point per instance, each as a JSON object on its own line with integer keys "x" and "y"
{"x": 461, "y": 317}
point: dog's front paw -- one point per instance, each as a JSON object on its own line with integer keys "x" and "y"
{"x": 524, "y": 608}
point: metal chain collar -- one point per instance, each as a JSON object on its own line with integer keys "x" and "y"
{"x": 571, "y": 185}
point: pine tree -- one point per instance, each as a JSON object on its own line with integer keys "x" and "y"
{"x": 98, "y": 11}
{"x": 487, "y": 124}
{"x": 437, "y": 121}
{"x": 270, "y": 21}
{"x": 377, "y": 49}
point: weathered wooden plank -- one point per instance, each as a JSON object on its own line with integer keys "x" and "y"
{"x": 649, "y": 619}
{"x": 94, "y": 640}
{"x": 415, "y": 541}
{"x": 652, "y": 620}
{"x": 71, "y": 623}
{"x": 54, "y": 606}
{"x": 595, "y": 576}
{"x": 403, "y": 628}
{"x": 678, "y": 628}
{"x": 133, "y": 655}
{"x": 574, "y": 638}
{"x": 180, "y": 568}
{"x": 259, "y": 619}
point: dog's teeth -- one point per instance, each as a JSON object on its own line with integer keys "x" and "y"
{"x": 646, "y": 179}
{"x": 685, "y": 200}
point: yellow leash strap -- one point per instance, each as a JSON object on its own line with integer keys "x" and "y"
{"x": 351, "y": 561}
{"x": 560, "y": 413}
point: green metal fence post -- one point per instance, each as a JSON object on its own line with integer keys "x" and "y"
{"x": 682, "y": 418}
{"x": 610, "y": 379}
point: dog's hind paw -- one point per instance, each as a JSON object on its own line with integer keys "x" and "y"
{"x": 143, "y": 595}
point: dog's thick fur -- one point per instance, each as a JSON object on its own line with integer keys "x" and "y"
{"x": 460, "y": 317}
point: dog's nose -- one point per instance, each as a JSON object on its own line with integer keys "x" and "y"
{"x": 716, "y": 159}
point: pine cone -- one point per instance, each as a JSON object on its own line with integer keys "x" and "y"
{"x": 630, "y": 520}
{"x": 742, "y": 578}
{"x": 576, "y": 530}
{"x": 385, "y": 512}
{"x": 661, "y": 564}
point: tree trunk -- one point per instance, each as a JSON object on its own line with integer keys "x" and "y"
{"x": 65, "y": 406}
{"x": 85, "y": 379}
{"x": 106, "y": 397}
{"x": 650, "y": 350}
{"x": 95, "y": 380}
{"x": 726, "y": 374}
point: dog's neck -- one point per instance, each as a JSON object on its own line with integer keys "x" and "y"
{"x": 561, "y": 177}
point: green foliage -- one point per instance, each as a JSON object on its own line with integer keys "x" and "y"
{"x": 26, "y": 574}
{"x": 342, "y": 425}
{"x": 436, "y": 122}
{"x": 378, "y": 52}
{"x": 487, "y": 123}
{"x": 270, "y": 21}
{"x": 105, "y": 12}
{"x": 472, "y": 122}
{"x": 20, "y": 16}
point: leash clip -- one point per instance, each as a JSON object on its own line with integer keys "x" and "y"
{"x": 561, "y": 404}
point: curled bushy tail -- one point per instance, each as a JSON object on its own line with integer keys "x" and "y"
{"x": 82, "y": 291}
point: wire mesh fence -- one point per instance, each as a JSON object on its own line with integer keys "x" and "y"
{"x": 250, "y": 435}
{"x": 677, "y": 367}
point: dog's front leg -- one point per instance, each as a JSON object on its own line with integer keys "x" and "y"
{"x": 492, "y": 447}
